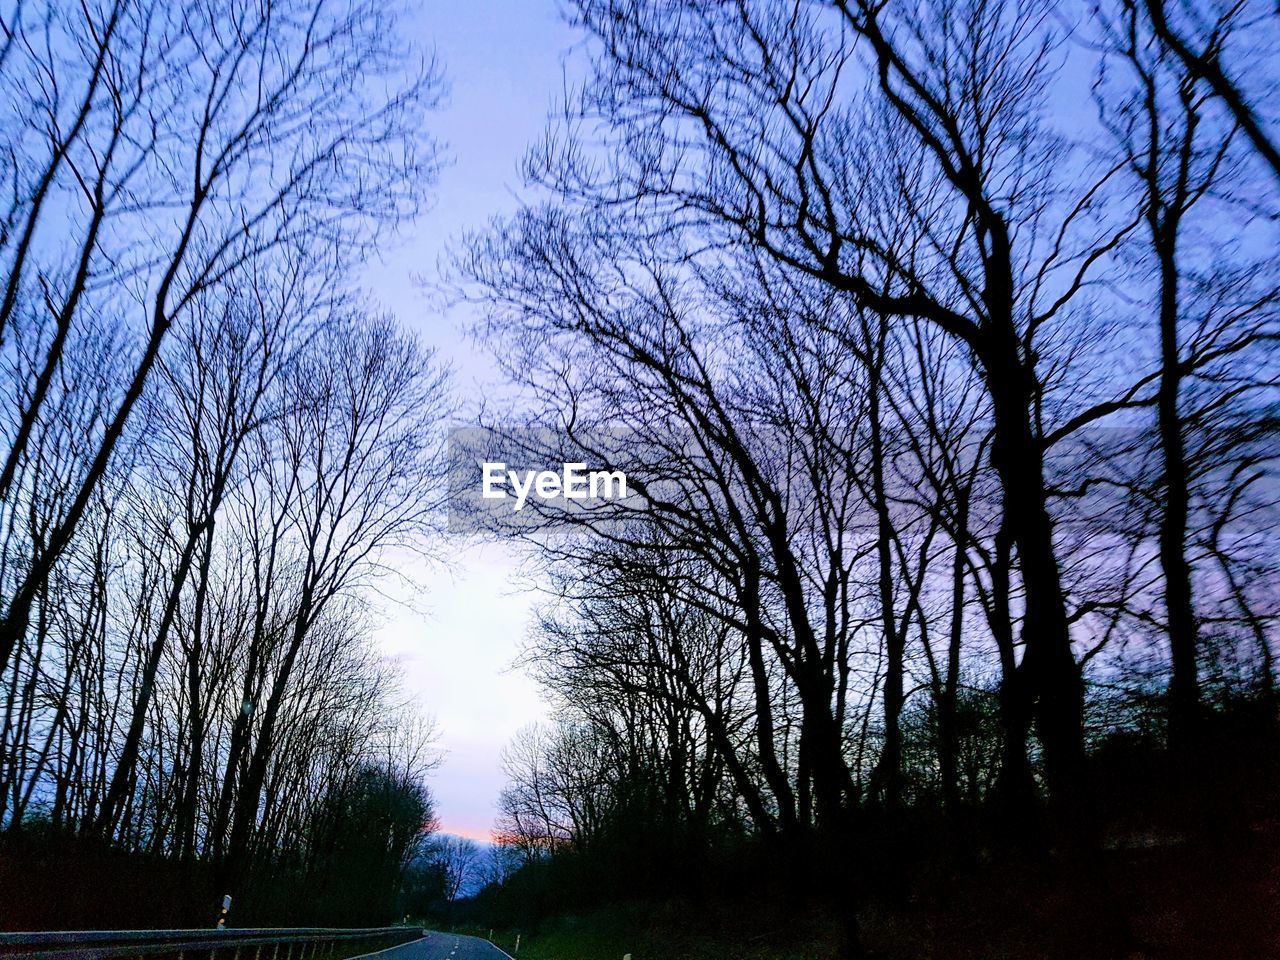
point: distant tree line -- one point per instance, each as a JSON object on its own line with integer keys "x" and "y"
{"x": 938, "y": 341}
{"x": 208, "y": 444}
{"x": 447, "y": 869}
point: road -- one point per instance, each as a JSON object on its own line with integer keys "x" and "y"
{"x": 442, "y": 946}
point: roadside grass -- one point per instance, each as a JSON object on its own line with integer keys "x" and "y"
{"x": 1144, "y": 898}
{"x": 676, "y": 931}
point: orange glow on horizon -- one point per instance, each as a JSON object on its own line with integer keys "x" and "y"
{"x": 471, "y": 833}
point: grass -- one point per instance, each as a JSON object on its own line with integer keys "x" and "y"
{"x": 1174, "y": 900}
{"x": 676, "y": 931}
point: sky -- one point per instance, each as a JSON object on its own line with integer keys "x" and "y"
{"x": 454, "y": 628}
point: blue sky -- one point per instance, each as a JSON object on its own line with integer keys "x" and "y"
{"x": 455, "y": 631}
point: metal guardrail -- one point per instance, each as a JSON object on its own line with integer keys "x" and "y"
{"x": 281, "y": 943}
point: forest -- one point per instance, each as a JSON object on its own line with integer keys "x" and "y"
{"x": 210, "y": 440}
{"x": 938, "y": 342}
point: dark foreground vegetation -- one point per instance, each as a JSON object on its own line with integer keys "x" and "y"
{"x": 1182, "y": 866}
{"x": 207, "y": 442}
{"x": 1044, "y": 912}
{"x": 938, "y": 344}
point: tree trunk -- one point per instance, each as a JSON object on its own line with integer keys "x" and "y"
{"x": 887, "y": 780}
{"x": 1184, "y": 685}
{"x": 948, "y": 739}
{"x": 1055, "y": 683}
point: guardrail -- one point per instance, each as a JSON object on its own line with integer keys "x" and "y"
{"x": 299, "y": 943}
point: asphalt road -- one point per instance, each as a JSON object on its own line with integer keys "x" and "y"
{"x": 442, "y": 946}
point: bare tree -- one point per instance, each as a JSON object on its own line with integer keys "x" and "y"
{"x": 199, "y": 201}
{"x": 357, "y": 473}
{"x": 1211, "y": 32}
{"x": 457, "y": 859}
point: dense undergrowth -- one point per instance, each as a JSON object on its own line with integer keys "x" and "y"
{"x": 1190, "y": 899}
{"x": 1181, "y": 859}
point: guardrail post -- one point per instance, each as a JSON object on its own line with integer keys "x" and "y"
{"x": 226, "y": 908}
